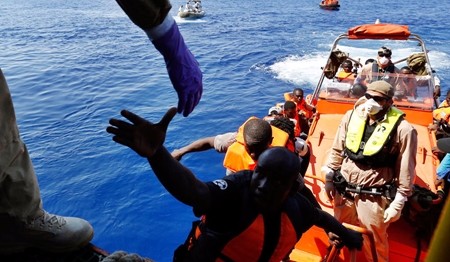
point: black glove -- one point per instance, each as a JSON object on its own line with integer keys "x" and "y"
{"x": 146, "y": 13}
{"x": 353, "y": 239}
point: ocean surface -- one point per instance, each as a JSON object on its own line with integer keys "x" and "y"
{"x": 73, "y": 65}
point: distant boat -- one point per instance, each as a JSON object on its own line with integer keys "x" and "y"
{"x": 330, "y": 5}
{"x": 192, "y": 10}
{"x": 191, "y": 14}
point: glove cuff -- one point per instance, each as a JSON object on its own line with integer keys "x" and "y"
{"x": 399, "y": 201}
{"x": 161, "y": 29}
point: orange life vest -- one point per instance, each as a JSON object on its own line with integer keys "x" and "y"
{"x": 301, "y": 109}
{"x": 237, "y": 158}
{"x": 247, "y": 246}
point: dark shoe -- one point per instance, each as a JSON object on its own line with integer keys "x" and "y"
{"x": 47, "y": 232}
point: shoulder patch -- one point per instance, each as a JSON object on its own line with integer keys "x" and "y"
{"x": 222, "y": 184}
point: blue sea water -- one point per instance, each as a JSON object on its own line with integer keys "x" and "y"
{"x": 72, "y": 65}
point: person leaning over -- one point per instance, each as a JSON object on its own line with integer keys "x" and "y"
{"x": 263, "y": 201}
{"x": 253, "y": 137}
{"x": 243, "y": 148}
{"x": 374, "y": 149}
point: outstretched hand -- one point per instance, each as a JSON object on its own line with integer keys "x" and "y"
{"x": 145, "y": 13}
{"x": 144, "y": 137}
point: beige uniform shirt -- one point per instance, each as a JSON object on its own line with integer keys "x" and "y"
{"x": 366, "y": 75}
{"x": 405, "y": 140}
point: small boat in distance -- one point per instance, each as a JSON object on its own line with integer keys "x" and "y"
{"x": 330, "y": 4}
{"x": 192, "y": 10}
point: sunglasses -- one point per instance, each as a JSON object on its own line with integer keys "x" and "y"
{"x": 383, "y": 54}
{"x": 298, "y": 96}
{"x": 376, "y": 98}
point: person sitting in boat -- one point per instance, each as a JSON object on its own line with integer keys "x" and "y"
{"x": 183, "y": 69}
{"x": 381, "y": 69}
{"x": 198, "y": 6}
{"x": 254, "y": 130}
{"x": 443, "y": 170}
{"x": 303, "y": 108}
{"x": 243, "y": 148}
{"x": 441, "y": 118}
{"x": 187, "y": 7}
{"x": 181, "y": 9}
{"x": 290, "y": 111}
{"x": 346, "y": 75}
{"x": 374, "y": 151}
{"x": 423, "y": 80}
{"x": 406, "y": 85}
{"x": 274, "y": 112}
{"x": 263, "y": 201}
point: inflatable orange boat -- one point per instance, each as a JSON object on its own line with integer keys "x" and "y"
{"x": 332, "y": 99}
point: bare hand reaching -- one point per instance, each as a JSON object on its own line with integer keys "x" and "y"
{"x": 144, "y": 137}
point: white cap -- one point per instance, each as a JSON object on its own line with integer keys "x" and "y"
{"x": 276, "y": 109}
{"x": 300, "y": 146}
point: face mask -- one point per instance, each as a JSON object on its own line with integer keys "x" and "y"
{"x": 372, "y": 107}
{"x": 383, "y": 60}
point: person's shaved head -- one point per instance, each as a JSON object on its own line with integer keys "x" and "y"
{"x": 257, "y": 136}
{"x": 257, "y": 131}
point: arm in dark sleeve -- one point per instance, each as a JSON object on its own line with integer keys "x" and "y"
{"x": 350, "y": 238}
{"x": 179, "y": 180}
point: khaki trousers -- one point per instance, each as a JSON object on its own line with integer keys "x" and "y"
{"x": 367, "y": 212}
{"x": 19, "y": 189}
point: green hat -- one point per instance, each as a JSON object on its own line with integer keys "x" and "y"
{"x": 380, "y": 87}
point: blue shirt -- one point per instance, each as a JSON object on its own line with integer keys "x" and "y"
{"x": 444, "y": 168}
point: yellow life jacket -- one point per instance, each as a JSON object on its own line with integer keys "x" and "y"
{"x": 442, "y": 113}
{"x": 346, "y": 77}
{"x": 379, "y": 137}
{"x": 237, "y": 158}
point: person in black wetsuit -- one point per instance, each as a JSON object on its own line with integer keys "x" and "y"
{"x": 248, "y": 216}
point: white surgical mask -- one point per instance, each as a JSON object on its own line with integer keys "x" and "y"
{"x": 372, "y": 107}
{"x": 383, "y": 60}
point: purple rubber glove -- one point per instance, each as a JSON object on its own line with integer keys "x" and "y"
{"x": 183, "y": 69}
